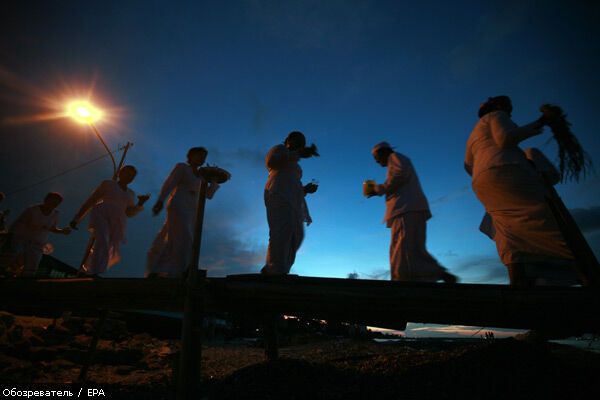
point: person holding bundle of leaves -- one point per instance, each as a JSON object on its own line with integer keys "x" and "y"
{"x": 285, "y": 203}
{"x": 507, "y": 183}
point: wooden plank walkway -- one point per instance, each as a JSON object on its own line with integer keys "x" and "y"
{"x": 371, "y": 302}
{"x": 565, "y": 311}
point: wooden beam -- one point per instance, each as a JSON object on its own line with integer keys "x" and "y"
{"x": 383, "y": 303}
{"x": 377, "y": 303}
{"x": 89, "y": 293}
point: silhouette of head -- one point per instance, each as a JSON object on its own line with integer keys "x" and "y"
{"x": 498, "y": 103}
{"x": 196, "y": 156}
{"x": 295, "y": 140}
{"x": 381, "y": 153}
{"x": 127, "y": 174}
{"x": 52, "y": 200}
{"x": 1, "y": 197}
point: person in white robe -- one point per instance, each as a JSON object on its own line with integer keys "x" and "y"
{"x": 285, "y": 202}
{"x": 29, "y": 233}
{"x": 171, "y": 250}
{"x": 406, "y": 214}
{"x": 109, "y": 206}
{"x": 511, "y": 191}
{"x": 555, "y": 273}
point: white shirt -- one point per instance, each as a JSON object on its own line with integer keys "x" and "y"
{"x": 33, "y": 226}
{"x": 285, "y": 178}
{"x": 494, "y": 142}
{"x": 402, "y": 188}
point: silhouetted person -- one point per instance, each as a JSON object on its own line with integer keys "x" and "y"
{"x": 406, "y": 214}
{"x": 28, "y": 235}
{"x": 284, "y": 199}
{"x": 171, "y": 251}
{"x": 505, "y": 181}
{"x": 110, "y": 204}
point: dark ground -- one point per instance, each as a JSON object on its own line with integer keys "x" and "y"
{"x": 128, "y": 366}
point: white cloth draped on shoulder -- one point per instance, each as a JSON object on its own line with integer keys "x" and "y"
{"x": 171, "y": 250}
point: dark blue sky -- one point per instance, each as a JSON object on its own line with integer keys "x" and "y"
{"x": 237, "y": 76}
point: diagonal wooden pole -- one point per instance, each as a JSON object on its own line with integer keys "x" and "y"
{"x": 586, "y": 265}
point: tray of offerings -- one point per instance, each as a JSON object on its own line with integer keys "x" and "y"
{"x": 214, "y": 173}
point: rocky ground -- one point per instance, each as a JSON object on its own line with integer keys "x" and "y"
{"x": 41, "y": 350}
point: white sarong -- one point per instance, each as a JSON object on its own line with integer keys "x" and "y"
{"x": 409, "y": 258}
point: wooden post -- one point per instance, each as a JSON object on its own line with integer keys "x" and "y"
{"x": 93, "y": 345}
{"x": 270, "y": 336}
{"x": 586, "y": 263}
{"x": 122, "y": 161}
{"x": 188, "y": 382}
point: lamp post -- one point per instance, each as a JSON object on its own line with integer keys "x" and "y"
{"x": 85, "y": 113}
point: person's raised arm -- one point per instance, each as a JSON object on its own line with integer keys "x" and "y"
{"x": 54, "y": 229}
{"x": 508, "y": 134}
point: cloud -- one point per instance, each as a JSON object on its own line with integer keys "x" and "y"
{"x": 259, "y": 116}
{"x": 312, "y": 24}
{"x": 453, "y": 195}
{"x": 470, "y": 269}
{"x": 254, "y": 158}
{"x": 30, "y": 153}
{"x": 377, "y": 274}
{"x": 448, "y": 253}
{"x": 225, "y": 249}
{"x": 493, "y": 28}
{"x": 481, "y": 269}
{"x": 588, "y": 219}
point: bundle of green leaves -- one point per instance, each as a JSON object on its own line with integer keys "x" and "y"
{"x": 574, "y": 162}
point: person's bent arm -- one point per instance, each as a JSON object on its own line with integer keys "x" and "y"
{"x": 278, "y": 156}
{"x": 94, "y": 198}
{"x": 397, "y": 176}
{"x": 133, "y": 209}
{"x": 212, "y": 189}
{"x": 508, "y": 134}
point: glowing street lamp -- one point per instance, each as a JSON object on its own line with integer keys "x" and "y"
{"x": 85, "y": 113}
